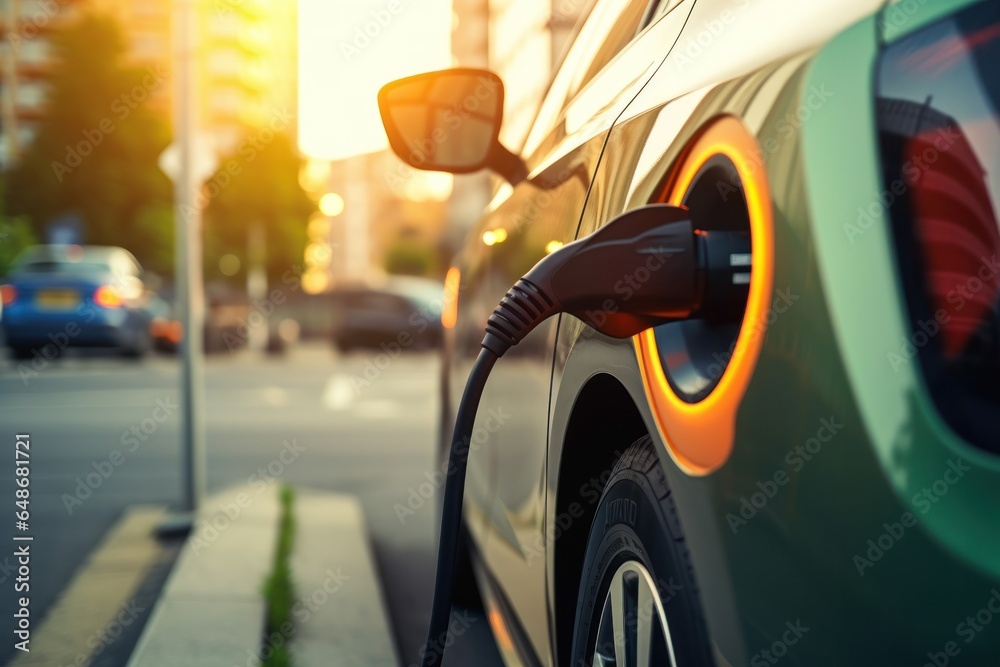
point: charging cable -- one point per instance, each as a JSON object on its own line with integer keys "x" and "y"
{"x": 693, "y": 273}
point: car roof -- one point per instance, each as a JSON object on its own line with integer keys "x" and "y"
{"x": 70, "y": 253}
{"x": 425, "y": 290}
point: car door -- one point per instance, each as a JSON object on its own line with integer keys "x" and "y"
{"x": 605, "y": 68}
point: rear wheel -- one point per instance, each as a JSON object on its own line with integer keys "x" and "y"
{"x": 141, "y": 345}
{"x": 638, "y": 603}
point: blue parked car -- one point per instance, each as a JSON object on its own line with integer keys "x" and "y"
{"x": 60, "y": 296}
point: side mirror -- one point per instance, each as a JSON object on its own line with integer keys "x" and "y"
{"x": 448, "y": 120}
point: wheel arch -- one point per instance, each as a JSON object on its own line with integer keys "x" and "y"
{"x": 602, "y": 423}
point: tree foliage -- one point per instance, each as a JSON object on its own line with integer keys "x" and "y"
{"x": 258, "y": 183}
{"x": 95, "y": 153}
{"x": 15, "y": 234}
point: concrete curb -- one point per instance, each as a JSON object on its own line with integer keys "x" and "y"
{"x": 211, "y": 611}
{"x": 100, "y": 602}
{"x": 341, "y": 616}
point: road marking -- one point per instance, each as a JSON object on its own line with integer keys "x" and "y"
{"x": 376, "y": 409}
{"x": 276, "y": 396}
{"x": 338, "y": 395}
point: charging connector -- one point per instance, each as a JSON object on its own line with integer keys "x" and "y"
{"x": 645, "y": 268}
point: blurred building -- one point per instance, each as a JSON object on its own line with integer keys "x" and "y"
{"x": 425, "y": 213}
{"x": 146, "y": 27}
{"x": 248, "y": 64}
{"x": 247, "y": 56}
{"x": 25, "y": 28}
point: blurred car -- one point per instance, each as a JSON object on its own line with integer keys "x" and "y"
{"x": 816, "y": 484}
{"x": 60, "y": 296}
{"x": 398, "y": 311}
{"x": 164, "y": 327}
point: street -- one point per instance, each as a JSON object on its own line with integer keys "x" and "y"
{"x": 104, "y": 434}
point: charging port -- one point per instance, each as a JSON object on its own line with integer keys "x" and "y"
{"x": 695, "y": 353}
{"x": 696, "y": 372}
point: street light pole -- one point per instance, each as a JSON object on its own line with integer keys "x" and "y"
{"x": 188, "y": 267}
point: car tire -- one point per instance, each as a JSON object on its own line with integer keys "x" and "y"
{"x": 636, "y": 552}
{"x": 21, "y": 353}
{"x": 141, "y": 346}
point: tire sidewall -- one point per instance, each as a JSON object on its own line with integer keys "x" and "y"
{"x": 630, "y": 524}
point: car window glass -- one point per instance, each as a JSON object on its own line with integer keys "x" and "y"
{"x": 591, "y": 49}
{"x": 626, "y": 25}
{"x": 665, "y": 8}
{"x": 388, "y": 303}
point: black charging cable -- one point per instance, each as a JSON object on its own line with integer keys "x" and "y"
{"x": 589, "y": 279}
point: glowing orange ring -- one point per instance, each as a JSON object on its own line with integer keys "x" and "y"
{"x": 699, "y": 436}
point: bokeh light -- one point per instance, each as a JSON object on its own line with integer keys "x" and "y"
{"x": 229, "y": 264}
{"x": 331, "y": 204}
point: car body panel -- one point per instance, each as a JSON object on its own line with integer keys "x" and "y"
{"x": 798, "y": 76}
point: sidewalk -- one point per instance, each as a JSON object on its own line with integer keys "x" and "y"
{"x": 211, "y": 611}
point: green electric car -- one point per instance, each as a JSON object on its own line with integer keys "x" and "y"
{"x": 814, "y": 483}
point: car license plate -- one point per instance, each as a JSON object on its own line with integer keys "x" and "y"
{"x": 57, "y": 299}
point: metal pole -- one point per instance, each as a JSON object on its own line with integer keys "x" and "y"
{"x": 188, "y": 268}
{"x": 257, "y": 280}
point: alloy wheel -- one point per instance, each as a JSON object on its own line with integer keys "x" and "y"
{"x": 633, "y": 630}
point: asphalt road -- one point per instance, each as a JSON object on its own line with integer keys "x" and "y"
{"x": 359, "y": 424}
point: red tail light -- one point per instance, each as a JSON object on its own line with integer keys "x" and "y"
{"x": 107, "y": 297}
{"x": 8, "y": 294}
{"x": 937, "y": 104}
